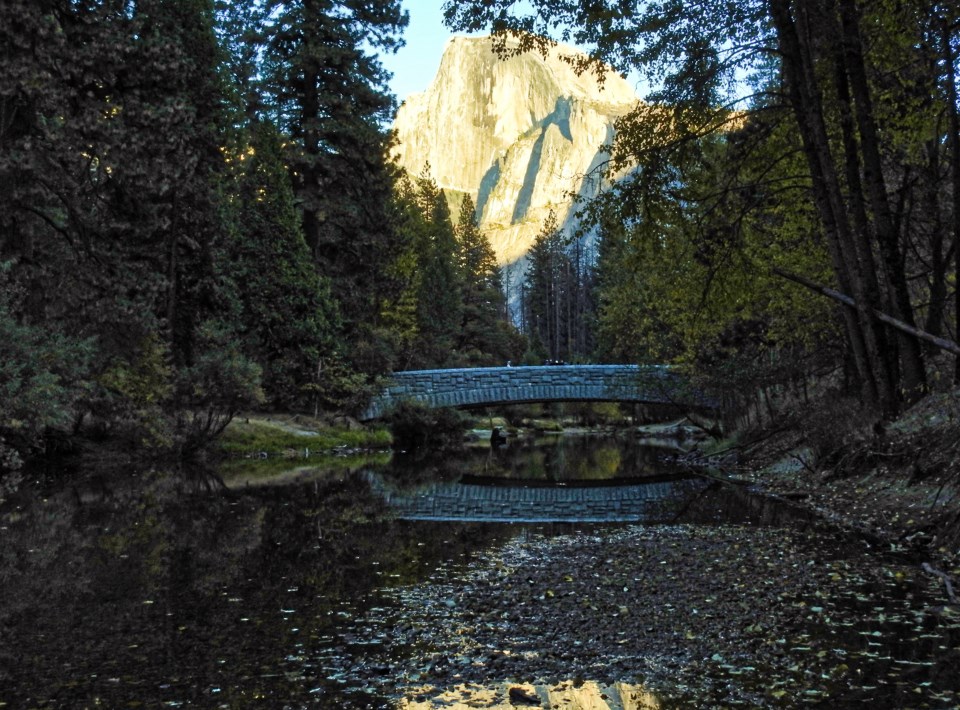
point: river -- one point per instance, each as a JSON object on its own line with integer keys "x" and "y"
{"x": 141, "y": 590}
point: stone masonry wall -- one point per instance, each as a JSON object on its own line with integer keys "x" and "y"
{"x": 640, "y": 502}
{"x": 503, "y": 385}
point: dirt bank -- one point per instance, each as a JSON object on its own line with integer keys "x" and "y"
{"x": 898, "y": 481}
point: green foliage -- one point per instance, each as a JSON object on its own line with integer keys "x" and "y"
{"x": 449, "y": 309}
{"x": 486, "y": 337}
{"x": 546, "y": 291}
{"x": 133, "y": 397}
{"x": 339, "y": 387}
{"x": 289, "y": 316}
{"x": 324, "y": 87}
{"x": 689, "y": 244}
{"x": 112, "y": 169}
{"x": 556, "y": 296}
{"x": 151, "y": 407}
{"x": 439, "y": 296}
{"x": 556, "y": 301}
{"x": 630, "y": 325}
{"x": 418, "y": 428}
{"x": 394, "y": 342}
{"x": 42, "y": 375}
{"x": 219, "y": 383}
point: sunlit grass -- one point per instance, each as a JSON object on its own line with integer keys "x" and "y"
{"x": 256, "y": 436}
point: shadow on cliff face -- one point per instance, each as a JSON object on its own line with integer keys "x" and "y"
{"x": 559, "y": 117}
{"x": 487, "y": 183}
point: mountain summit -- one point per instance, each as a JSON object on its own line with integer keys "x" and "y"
{"x": 519, "y": 134}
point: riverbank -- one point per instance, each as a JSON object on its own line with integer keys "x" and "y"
{"x": 898, "y": 483}
{"x": 295, "y": 436}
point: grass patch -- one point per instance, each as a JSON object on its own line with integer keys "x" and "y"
{"x": 487, "y": 422}
{"x": 544, "y": 425}
{"x": 714, "y": 446}
{"x": 253, "y": 436}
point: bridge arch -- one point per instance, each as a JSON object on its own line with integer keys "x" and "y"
{"x": 482, "y": 386}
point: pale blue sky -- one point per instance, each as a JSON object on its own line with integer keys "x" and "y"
{"x": 416, "y": 64}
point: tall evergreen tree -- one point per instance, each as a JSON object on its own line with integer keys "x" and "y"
{"x": 326, "y": 89}
{"x": 547, "y": 291}
{"x": 486, "y": 337}
{"x": 397, "y": 331}
{"x": 289, "y": 316}
{"x": 439, "y": 301}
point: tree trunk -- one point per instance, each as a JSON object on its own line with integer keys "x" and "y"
{"x": 938, "y": 263}
{"x": 802, "y": 88}
{"x": 951, "y": 80}
{"x": 857, "y": 202}
{"x": 911, "y": 354}
{"x": 942, "y": 343}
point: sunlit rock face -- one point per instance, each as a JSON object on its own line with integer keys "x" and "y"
{"x": 520, "y": 135}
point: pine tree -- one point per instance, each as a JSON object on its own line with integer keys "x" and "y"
{"x": 547, "y": 291}
{"x": 439, "y": 301}
{"x": 485, "y": 335}
{"x": 326, "y": 89}
{"x": 393, "y": 341}
{"x": 289, "y": 317}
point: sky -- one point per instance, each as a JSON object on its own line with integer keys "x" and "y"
{"x": 415, "y": 65}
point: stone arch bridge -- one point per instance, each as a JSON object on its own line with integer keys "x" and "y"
{"x": 484, "y": 386}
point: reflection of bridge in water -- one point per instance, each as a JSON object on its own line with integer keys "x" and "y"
{"x": 659, "y": 500}
{"x": 483, "y": 386}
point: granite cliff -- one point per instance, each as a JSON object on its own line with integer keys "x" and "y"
{"x": 520, "y": 135}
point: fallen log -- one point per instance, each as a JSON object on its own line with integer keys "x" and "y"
{"x": 942, "y": 343}
{"x": 946, "y": 581}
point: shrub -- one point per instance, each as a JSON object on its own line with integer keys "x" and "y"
{"x": 219, "y": 384}
{"x": 415, "y": 427}
{"x": 42, "y": 375}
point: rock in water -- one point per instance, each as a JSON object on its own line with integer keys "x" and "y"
{"x": 519, "y": 135}
{"x": 523, "y": 697}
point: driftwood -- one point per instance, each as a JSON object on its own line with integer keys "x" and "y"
{"x": 942, "y": 343}
{"x": 946, "y": 581}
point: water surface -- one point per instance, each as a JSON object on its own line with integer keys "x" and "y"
{"x": 135, "y": 593}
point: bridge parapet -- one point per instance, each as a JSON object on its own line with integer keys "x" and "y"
{"x": 480, "y": 386}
